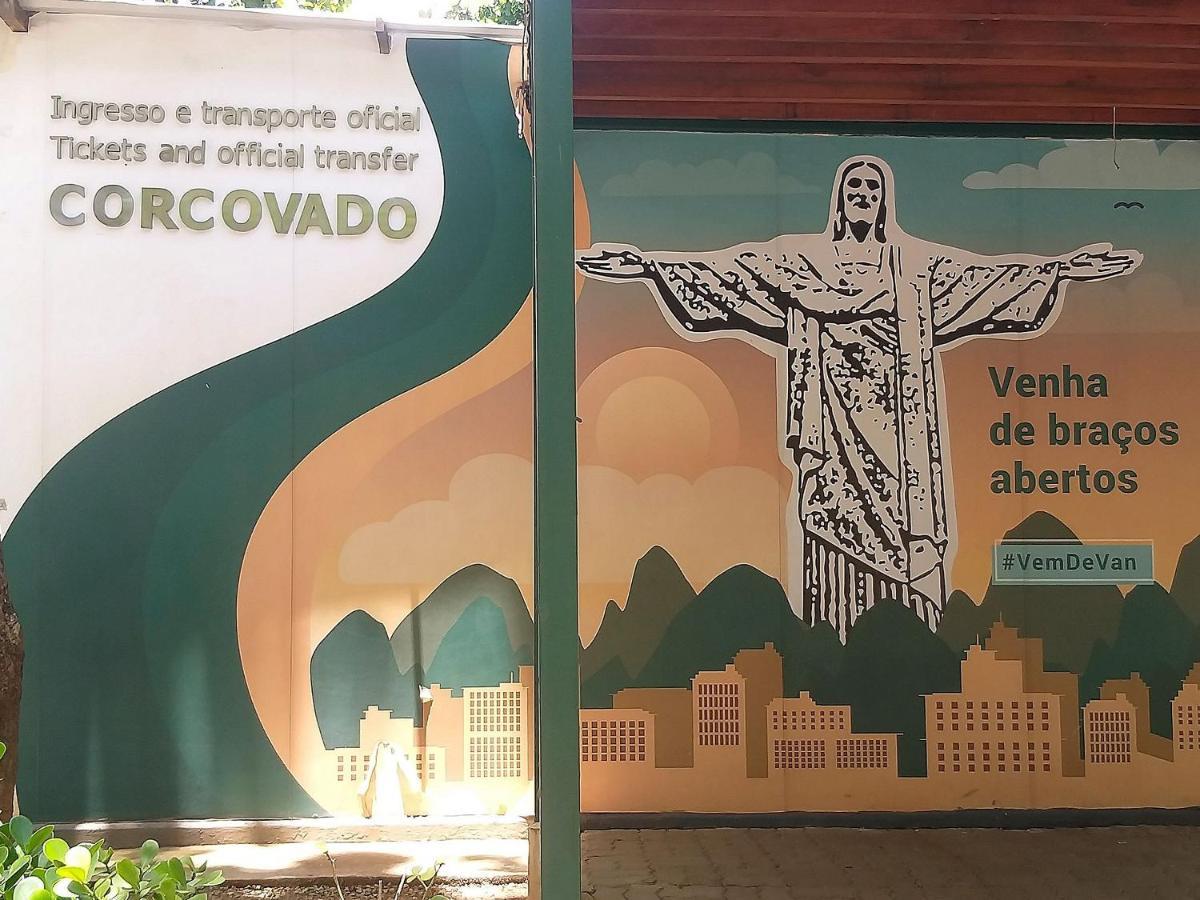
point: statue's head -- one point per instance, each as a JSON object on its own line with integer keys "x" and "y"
{"x": 860, "y": 200}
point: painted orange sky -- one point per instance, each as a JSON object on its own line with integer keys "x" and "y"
{"x": 678, "y": 446}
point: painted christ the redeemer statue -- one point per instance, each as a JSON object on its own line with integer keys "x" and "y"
{"x": 857, "y": 317}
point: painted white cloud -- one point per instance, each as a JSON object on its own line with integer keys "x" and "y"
{"x": 733, "y": 511}
{"x": 754, "y": 174}
{"x": 1089, "y": 165}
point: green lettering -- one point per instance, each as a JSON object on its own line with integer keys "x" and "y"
{"x": 282, "y": 220}
{"x": 230, "y": 203}
{"x": 366, "y": 215}
{"x": 157, "y": 203}
{"x": 185, "y": 209}
{"x": 314, "y": 214}
{"x": 385, "y": 218}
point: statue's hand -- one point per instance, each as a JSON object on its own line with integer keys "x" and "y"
{"x": 1099, "y": 261}
{"x": 614, "y": 261}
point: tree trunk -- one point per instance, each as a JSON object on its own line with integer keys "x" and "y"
{"x": 12, "y": 661}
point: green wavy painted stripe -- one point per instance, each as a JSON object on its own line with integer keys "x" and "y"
{"x": 124, "y": 562}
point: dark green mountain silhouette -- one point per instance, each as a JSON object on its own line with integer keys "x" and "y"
{"x": 353, "y": 668}
{"x": 596, "y": 692}
{"x": 1154, "y": 639}
{"x": 473, "y": 630}
{"x": 891, "y": 660}
{"x": 476, "y": 650}
{"x": 1186, "y": 586}
{"x": 963, "y": 623}
{"x": 1070, "y": 619}
{"x": 415, "y": 642}
{"x": 743, "y": 609}
{"x": 629, "y": 636}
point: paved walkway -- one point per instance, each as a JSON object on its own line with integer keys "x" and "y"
{"x": 859, "y": 864}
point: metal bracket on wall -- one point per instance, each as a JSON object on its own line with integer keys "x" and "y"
{"x": 14, "y": 15}
{"x": 383, "y": 36}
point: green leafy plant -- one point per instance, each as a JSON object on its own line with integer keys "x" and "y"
{"x": 425, "y": 877}
{"x": 36, "y": 865}
{"x": 499, "y": 12}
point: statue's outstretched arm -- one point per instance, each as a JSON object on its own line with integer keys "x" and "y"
{"x": 705, "y": 293}
{"x": 1017, "y": 294}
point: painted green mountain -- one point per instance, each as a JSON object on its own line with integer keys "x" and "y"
{"x": 889, "y": 662}
{"x": 415, "y": 642}
{"x": 352, "y": 668}
{"x": 1154, "y": 639}
{"x": 628, "y": 637}
{"x": 740, "y": 609}
{"x": 473, "y": 630}
{"x": 1185, "y": 588}
{"x": 1070, "y": 619}
{"x": 476, "y": 652}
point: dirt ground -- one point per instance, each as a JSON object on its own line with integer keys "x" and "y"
{"x": 379, "y": 890}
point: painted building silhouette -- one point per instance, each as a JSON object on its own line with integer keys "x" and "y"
{"x": 482, "y": 738}
{"x": 806, "y": 735}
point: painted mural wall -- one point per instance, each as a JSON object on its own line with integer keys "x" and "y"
{"x": 886, "y": 491}
{"x": 264, "y": 329}
{"x": 885, "y": 494}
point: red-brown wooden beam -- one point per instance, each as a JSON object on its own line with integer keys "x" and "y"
{"x": 721, "y": 50}
{"x": 750, "y": 24}
{"x": 1071, "y": 61}
{"x": 775, "y": 111}
{"x": 867, "y": 12}
{"x": 797, "y": 82}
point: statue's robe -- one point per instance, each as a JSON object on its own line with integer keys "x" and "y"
{"x": 861, "y": 323}
{"x": 390, "y": 777}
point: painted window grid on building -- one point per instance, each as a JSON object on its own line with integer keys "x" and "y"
{"x": 799, "y": 753}
{"x": 1110, "y": 736}
{"x": 719, "y": 716}
{"x": 494, "y": 756}
{"x": 994, "y": 757}
{"x": 348, "y": 766}
{"x": 816, "y": 719}
{"x": 622, "y": 740}
{"x": 862, "y": 753}
{"x": 494, "y": 710}
{"x": 429, "y": 764}
{"x": 992, "y": 715}
{"x": 1187, "y": 718}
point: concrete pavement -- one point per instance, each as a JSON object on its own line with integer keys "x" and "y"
{"x": 860, "y": 864}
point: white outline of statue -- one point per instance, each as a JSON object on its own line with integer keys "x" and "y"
{"x": 857, "y": 318}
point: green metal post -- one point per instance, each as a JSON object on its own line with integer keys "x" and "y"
{"x": 556, "y": 542}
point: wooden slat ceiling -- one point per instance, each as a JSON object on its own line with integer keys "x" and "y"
{"x": 1056, "y": 61}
